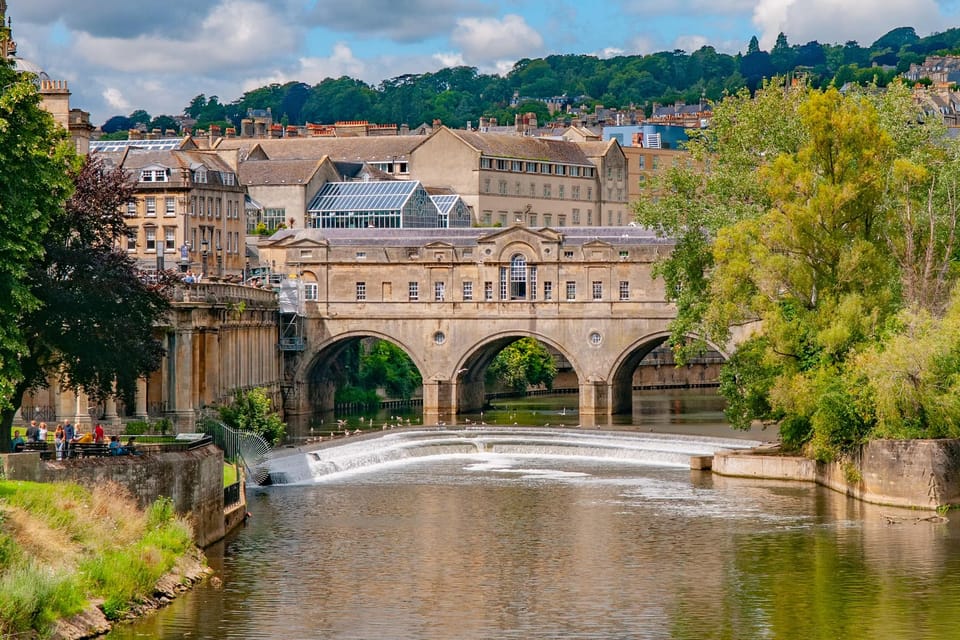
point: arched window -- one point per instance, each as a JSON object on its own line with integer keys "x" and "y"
{"x": 518, "y": 277}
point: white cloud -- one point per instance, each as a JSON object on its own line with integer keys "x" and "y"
{"x": 312, "y": 70}
{"x": 487, "y": 41}
{"x": 116, "y": 100}
{"x": 690, "y": 43}
{"x": 830, "y": 21}
{"x": 231, "y": 34}
{"x": 449, "y": 59}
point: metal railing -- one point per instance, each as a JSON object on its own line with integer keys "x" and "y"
{"x": 248, "y": 448}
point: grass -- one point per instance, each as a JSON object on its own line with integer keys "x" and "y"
{"x": 62, "y": 546}
{"x": 230, "y": 474}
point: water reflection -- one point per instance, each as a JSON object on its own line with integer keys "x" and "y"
{"x": 523, "y": 547}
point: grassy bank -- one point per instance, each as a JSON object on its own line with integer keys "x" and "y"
{"x": 63, "y": 547}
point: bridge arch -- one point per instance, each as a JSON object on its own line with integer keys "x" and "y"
{"x": 316, "y": 376}
{"x": 621, "y": 373}
{"x": 472, "y": 366}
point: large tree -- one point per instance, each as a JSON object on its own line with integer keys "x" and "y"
{"x": 34, "y": 183}
{"x": 93, "y": 325}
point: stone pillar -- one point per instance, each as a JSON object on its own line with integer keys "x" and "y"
{"x": 594, "y": 402}
{"x": 471, "y": 395}
{"x": 439, "y": 402}
{"x": 183, "y": 372}
{"x": 110, "y": 416}
{"x": 81, "y": 409}
{"x": 140, "y": 408}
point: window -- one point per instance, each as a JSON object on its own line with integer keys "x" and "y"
{"x": 533, "y": 219}
{"x": 567, "y": 254}
{"x": 170, "y": 239}
{"x": 151, "y": 205}
{"x": 361, "y": 255}
{"x": 562, "y": 219}
{"x": 624, "y": 254}
{"x": 624, "y": 290}
{"x": 531, "y": 167}
{"x": 589, "y": 193}
{"x": 547, "y": 219}
{"x": 619, "y": 173}
{"x": 219, "y": 203}
{"x": 227, "y": 178}
{"x": 488, "y": 291}
{"x": 413, "y": 291}
{"x": 151, "y": 233}
{"x": 131, "y": 239}
{"x": 560, "y": 192}
{"x": 132, "y": 209}
{"x": 468, "y": 291}
{"x": 193, "y": 205}
{"x": 576, "y": 216}
{"x": 516, "y": 166}
{"x": 597, "y": 290}
{"x": 590, "y": 217}
{"x": 643, "y": 162}
{"x": 439, "y": 290}
{"x": 361, "y": 291}
{"x": 546, "y": 191}
{"x": 153, "y": 175}
{"x": 571, "y": 290}
{"x": 486, "y": 185}
{"x": 503, "y": 165}
{"x": 486, "y": 163}
{"x": 310, "y": 291}
{"x": 518, "y": 277}
{"x": 502, "y": 187}
{"x": 547, "y": 290}
{"x": 533, "y": 190}
{"x": 200, "y": 175}
{"x": 169, "y": 206}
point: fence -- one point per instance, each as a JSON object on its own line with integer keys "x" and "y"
{"x": 250, "y": 449}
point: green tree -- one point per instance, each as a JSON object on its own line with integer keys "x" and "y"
{"x": 35, "y": 160}
{"x": 383, "y": 364}
{"x": 92, "y": 326}
{"x": 252, "y": 411}
{"x": 523, "y": 364}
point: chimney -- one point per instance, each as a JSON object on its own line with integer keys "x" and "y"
{"x": 231, "y": 132}
{"x": 170, "y": 133}
{"x": 404, "y": 129}
{"x": 134, "y": 134}
{"x": 215, "y": 131}
{"x": 276, "y": 131}
{"x": 291, "y": 131}
{"x": 246, "y": 128}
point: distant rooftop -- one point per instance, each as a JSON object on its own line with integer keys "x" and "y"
{"x": 162, "y": 144}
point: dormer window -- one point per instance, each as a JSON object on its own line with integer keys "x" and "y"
{"x": 153, "y": 175}
{"x": 227, "y": 178}
{"x": 200, "y": 175}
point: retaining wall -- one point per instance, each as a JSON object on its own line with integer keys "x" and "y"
{"x": 192, "y": 479}
{"x": 920, "y": 474}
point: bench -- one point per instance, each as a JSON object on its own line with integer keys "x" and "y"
{"x": 88, "y": 449}
{"x": 36, "y": 446}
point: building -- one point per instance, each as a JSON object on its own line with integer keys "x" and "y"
{"x": 383, "y": 204}
{"x": 942, "y": 71}
{"x": 282, "y": 189}
{"x": 507, "y": 179}
{"x": 54, "y": 94}
{"x": 188, "y": 210}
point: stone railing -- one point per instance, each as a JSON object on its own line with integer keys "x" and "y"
{"x": 223, "y": 292}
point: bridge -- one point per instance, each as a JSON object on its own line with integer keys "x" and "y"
{"x": 454, "y": 298}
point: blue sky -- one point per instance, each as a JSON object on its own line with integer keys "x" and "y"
{"x": 121, "y": 55}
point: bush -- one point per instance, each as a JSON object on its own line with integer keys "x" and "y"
{"x": 137, "y": 427}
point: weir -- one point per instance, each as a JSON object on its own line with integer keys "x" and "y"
{"x": 344, "y": 456}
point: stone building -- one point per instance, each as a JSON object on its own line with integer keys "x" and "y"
{"x": 188, "y": 211}
{"x": 54, "y": 94}
{"x": 508, "y": 179}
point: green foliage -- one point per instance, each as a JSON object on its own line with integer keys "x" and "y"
{"x": 136, "y": 427}
{"x": 745, "y": 381}
{"x": 523, "y": 364}
{"x": 383, "y": 364}
{"x": 251, "y": 411}
{"x": 34, "y": 598}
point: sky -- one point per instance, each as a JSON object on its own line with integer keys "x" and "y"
{"x": 122, "y": 55}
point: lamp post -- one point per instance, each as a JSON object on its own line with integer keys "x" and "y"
{"x": 219, "y": 261}
{"x": 204, "y": 251}
{"x": 160, "y": 251}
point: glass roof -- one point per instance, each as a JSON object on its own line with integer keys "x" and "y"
{"x": 162, "y": 144}
{"x": 445, "y": 201}
{"x": 379, "y": 195}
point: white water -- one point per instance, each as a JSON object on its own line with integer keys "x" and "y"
{"x": 332, "y": 460}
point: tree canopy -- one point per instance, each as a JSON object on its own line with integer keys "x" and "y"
{"x": 831, "y": 220}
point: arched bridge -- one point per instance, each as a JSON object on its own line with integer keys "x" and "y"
{"x": 453, "y": 298}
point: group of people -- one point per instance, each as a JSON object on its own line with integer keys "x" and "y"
{"x": 66, "y": 435}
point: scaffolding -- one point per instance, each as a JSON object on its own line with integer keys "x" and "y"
{"x": 290, "y": 293}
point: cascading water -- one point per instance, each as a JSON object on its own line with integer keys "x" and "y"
{"x": 343, "y": 456}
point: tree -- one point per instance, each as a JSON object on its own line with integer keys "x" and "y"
{"x": 383, "y": 364}
{"x": 251, "y": 411}
{"x": 523, "y": 364}
{"x": 92, "y": 324}
{"x": 34, "y": 183}
{"x": 117, "y": 123}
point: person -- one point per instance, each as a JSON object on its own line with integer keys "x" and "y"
{"x": 98, "y": 434}
{"x": 115, "y": 448}
{"x": 42, "y": 433}
{"x": 130, "y": 448}
{"x": 189, "y": 279}
{"x": 83, "y": 438}
{"x": 60, "y": 441}
{"x": 32, "y": 431}
{"x": 17, "y": 443}
{"x": 69, "y": 431}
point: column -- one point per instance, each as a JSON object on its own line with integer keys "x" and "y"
{"x": 140, "y": 408}
{"x": 82, "y": 409}
{"x": 594, "y": 402}
{"x": 110, "y": 416}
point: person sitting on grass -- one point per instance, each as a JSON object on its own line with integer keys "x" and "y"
{"x": 131, "y": 448}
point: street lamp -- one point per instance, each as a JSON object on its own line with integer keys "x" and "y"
{"x": 204, "y": 251}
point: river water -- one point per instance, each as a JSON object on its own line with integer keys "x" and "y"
{"x": 514, "y": 546}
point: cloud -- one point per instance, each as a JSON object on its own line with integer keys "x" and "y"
{"x": 410, "y": 21}
{"x": 115, "y": 99}
{"x": 230, "y": 36}
{"x": 114, "y": 18}
{"x": 313, "y": 70}
{"x": 841, "y": 20}
{"x": 486, "y": 41}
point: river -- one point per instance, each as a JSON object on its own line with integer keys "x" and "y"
{"x": 513, "y": 546}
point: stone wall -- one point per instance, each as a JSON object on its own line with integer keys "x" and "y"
{"x": 193, "y": 479}
{"x": 920, "y": 474}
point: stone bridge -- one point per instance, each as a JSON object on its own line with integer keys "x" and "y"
{"x": 454, "y": 298}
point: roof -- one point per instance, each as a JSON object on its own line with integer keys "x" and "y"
{"x": 136, "y": 158}
{"x": 465, "y": 236}
{"x": 161, "y": 144}
{"x": 276, "y": 172}
{"x": 445, "y": 202}
{"x": 359, "y": 149}
{"x": 523, "y": 147}
{"x": 377, "y": 195}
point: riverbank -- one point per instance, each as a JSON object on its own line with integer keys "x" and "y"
{"x": 918, "y": 474}
{"x": 74, "y": 561}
